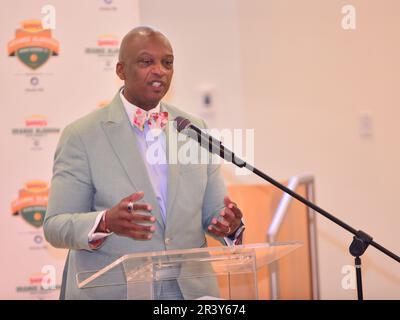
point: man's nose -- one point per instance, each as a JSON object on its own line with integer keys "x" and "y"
{"x": 158, "y": 69}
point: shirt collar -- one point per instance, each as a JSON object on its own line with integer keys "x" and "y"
{"x": 130, "y": 108}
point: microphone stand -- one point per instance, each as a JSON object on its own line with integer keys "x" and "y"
{"x": 361, "y": 240}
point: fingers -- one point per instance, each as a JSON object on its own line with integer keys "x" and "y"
{"x": 227, "y": 201}
{"x": 139, "y": 236}
{"x": 141, "y": 218}
{"x": 233, "y": 207}
{"x": 140, "y": 226}
{"x": 141, "y": 206}
{"x": 134, "y": 197}
{"x": 219, "y": 228}
{"x": 131, "y": 219}
{"x": 128, "y": 204}
{"x": 215, "y": 231}
{"x": 228, "y": 215}
{"x": 232, "y": 217}
{"x": 136, "y": 231}
{"x": 140, "y": 232}
{"x": 129, "y": 226}
{"x": 236, "y": 211}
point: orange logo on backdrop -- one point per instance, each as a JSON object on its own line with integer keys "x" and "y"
{"x": 32, "y": 202}
{"x": 36, "y": 120}
{"x": 107, "y": 40}
{"x": 33, "y": 45}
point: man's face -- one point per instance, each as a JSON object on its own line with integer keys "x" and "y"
{"x": 147, "y": 70}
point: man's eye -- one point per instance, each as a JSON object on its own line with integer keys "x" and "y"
{"x": 145, "y": 62}
{"x": 168, "y": 63}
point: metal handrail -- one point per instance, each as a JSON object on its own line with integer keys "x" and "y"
{"x": 277, "y": 220}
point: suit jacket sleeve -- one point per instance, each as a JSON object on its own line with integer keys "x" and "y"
{"x": 69, "y": 217}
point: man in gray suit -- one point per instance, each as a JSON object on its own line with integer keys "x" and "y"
{"x": 107, "y": 199}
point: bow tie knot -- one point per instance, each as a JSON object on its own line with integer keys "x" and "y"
{"x": 155, "y": 120}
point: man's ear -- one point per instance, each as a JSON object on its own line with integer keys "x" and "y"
{"x": 120, "y": 70}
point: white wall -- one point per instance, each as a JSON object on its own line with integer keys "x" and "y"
{"x": 204, "y": 36}
{"x": 288, "y": 70}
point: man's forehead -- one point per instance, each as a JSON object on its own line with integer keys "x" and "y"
{"x": 146, "y": 51}
{"x": 154, "y": 38}
{"x": 137, "y": 43}
{"x": 151, "y": 47}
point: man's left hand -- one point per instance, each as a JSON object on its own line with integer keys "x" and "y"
{"x": 230, "y": 222}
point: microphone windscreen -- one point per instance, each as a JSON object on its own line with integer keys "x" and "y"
{"x": 181, "y": 123}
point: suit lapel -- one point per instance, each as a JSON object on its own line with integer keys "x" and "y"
{"x": 124, "y": 143}
{"x": 173, "y": 146}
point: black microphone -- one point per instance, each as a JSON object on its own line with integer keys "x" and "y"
{"x": 361, "y": 240}
{"x": 208, "y": 142}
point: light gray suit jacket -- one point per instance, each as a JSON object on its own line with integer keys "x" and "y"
{"x": 97, "y": 163}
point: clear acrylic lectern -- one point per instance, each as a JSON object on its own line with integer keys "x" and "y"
{"x": 201, "y": 273}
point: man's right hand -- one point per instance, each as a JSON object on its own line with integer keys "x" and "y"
{"x": 130, "y": 224}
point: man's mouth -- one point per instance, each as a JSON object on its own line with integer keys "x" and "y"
{"x": 156, "y": 84}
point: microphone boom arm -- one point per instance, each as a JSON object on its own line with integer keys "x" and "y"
{"x": 361, "y": 240}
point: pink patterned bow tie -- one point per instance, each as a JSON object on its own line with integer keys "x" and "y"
{"x": 155, "y": 120}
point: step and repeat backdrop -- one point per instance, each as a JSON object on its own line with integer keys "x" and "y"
{"x": 57, "y": 64}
